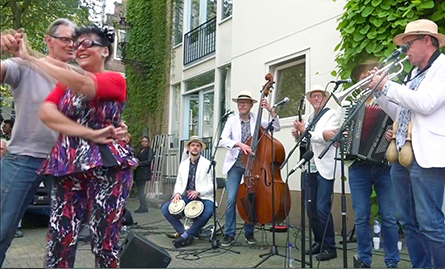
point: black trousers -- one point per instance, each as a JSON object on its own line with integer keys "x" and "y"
{"x": 140, "y": 186}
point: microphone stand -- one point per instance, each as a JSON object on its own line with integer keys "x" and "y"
{"x": 274, "y": 248}
{"x": 215, "y": 242}
{"x": 339, "y": 138}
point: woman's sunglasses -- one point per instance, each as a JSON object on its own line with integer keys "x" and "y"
{"x": 86, "y": 43}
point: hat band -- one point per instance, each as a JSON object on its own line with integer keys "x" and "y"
{"x": 240, "y": 96}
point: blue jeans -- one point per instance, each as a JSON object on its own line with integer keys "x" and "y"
{"x": 319, "y": 190}
{"x": 232, "y": 184}
{"x": 198, "y": 223}
{"x": 419, "y": 194}
{"x": 19, "y": 183}
{"x": 362, "y": 175}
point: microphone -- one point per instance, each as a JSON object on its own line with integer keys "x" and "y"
{"x": 306, "y": 157}
{"x": 228, "y": 112}
{"x": 282, "y": 102}
{"x": 403, "y": 49}
{"x": 341, "y": 81}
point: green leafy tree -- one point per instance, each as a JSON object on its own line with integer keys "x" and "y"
{"x": 36, "y": 15}
{"x": 367, "y": 27}
{"x": 148, "y": 84}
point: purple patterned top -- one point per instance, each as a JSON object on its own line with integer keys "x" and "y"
{"x": 76, "y": 154}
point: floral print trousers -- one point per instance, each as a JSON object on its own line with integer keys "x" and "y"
{"x": 96, "y": 197}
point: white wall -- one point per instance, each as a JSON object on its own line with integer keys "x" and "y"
{"x": 261, "y": 33}
{"x": 264, "y": 32}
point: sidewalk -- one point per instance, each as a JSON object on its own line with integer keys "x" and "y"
{"x": 29, "y": 251}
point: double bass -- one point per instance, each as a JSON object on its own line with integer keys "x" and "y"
{"x": 262, "y": 176}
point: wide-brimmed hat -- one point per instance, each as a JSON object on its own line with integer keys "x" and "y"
{"x": 244, "y": 95}
{"x": 198, "y": 139}
{"x": 420, "y": 27}
{"x": 317, "y": 88}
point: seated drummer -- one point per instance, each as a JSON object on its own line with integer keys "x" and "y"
{"x": 192, "y": 183}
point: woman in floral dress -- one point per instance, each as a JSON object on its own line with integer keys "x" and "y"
{"x": 92, "y": 167}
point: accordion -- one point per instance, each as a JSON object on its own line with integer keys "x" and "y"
{"x": 365, "y": 135}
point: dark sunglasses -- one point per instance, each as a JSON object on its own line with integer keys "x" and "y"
{"x": 86, "y": 43}
{"x": 66, "y": 40}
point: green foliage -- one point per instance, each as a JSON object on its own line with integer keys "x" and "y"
{"x": 150, "y": 41}
{"x": 368, "y": 27}
{"x": 36, "y": 15}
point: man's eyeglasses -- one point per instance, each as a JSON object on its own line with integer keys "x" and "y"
{"x": 314, "y": 96}
{"x": 66, "y": 40}
{"x": 412, "y": 41}
{"x": 86, "y": 43}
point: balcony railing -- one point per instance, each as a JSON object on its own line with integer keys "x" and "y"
{"x": 200, "y": 42}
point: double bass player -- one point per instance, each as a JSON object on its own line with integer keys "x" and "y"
{"x": 236, "y": 133}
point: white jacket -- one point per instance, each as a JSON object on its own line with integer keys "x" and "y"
{"x": 428, "y": 113}
{"x": 203, "y": 180}
{"x": 232, "y": 134}
{"x": 326, "y": 165}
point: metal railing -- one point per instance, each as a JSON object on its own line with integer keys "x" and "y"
{"x": 200, "y": 42}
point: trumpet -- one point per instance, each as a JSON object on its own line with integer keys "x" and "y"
{"x": 360, "y": 89}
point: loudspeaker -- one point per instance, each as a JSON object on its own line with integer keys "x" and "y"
{"x": 139, "y": 252}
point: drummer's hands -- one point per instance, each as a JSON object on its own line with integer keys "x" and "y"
{"x": 192, "y": 195}
{"x": 176, "y": 198}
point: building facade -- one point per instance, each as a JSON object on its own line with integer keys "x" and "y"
{"x": 224, "y": 47}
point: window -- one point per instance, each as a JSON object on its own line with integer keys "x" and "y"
{"x": 200, "y": 81}
{"x": 201, "y": 11}
{"x": 199, "y": 106}
{"x": 290, "y": 78}
{"x": 225, "y": 89}
{"x": 118, "y": 49}
{"x": 194, "y": 14}
{"x": 226, "y": 10}
{"x": 176, "y": 113}
{"x": 178, "y": 19}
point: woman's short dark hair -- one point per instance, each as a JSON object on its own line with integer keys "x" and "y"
{"x": 106, "y": 36}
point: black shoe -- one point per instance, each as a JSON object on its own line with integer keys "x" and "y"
{"x": 315, "y": 249}
{"x": 141, "y": 210}
{"x": 250, "y": 239}
{"x": 327, "y": 254}
{"x": 359, "y": 264}
{"x": 228, "y": 240}
{"x": 393, "y": 265}
{"x": 181, "y": 242}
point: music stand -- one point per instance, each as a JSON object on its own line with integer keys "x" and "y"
{"x": 215, "y": 242}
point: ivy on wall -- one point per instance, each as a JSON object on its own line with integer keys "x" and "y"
{"x": 367, "y": 27}
{"x": 150, "y": 42}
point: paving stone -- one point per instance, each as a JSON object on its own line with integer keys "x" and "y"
{"x": 29, "y": 251}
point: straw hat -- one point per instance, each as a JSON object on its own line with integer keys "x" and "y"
{"x": 198, "y": 139}
{"x": 420, "y": 27}
{"x": 244, "y": 95}
{"x": 317, "y": 88}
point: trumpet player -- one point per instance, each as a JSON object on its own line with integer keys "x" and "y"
{"x": 419, "y": 102}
